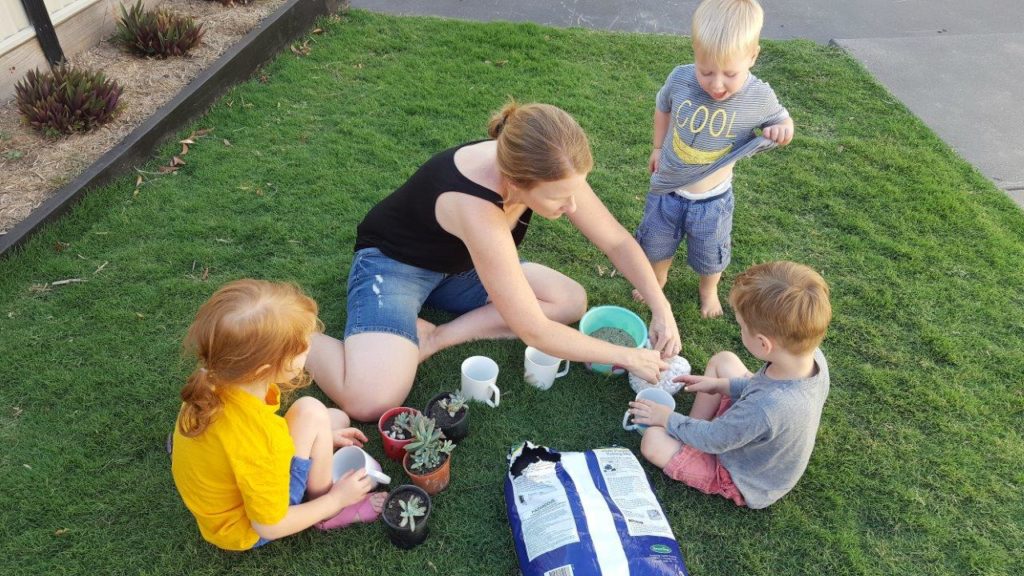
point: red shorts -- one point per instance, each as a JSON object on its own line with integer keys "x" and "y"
{"x": 704, "y": 471}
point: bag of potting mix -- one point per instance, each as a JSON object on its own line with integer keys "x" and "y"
{"x": 587, "y": 513}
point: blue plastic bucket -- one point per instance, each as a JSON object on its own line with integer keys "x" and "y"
{"x": 613, "y": 317}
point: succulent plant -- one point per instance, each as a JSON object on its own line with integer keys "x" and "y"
{"x": 453, "y": 403}
{"x": 401, "y": 427}
{"x": 427, "y": 445}
{"x": 66, "y": 99}
{"x": 412, "y": 509}
{"x": 156, "y": 32}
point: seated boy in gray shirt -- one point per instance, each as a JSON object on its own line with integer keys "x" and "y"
{"x": 749, "y": 437}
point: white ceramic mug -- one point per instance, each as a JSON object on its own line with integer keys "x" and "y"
{"x": 653, "y": 394}
{"x": 355, "y": 458}
{"x": 479, "y": 380}
{"x": 541, "y": 369}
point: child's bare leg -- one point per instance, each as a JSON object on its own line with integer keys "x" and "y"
{"x": 721, "y": 365}
{"x": 309, "y": 424}
{"x": 710, "y": 306}
{"x": 661, "y": 269}
{"x": 658, "y": 447}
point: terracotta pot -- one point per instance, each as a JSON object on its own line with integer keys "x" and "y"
{"x": 401, "y": 536}
{"x": 393, "y": 449}
{"x": 455, "y": 429}
{"x": 432, "y": 482}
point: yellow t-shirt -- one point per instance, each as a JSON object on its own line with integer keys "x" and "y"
{"x": 238, "y": 470}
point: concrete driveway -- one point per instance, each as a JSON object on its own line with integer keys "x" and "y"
{"x": 957, "y": 65}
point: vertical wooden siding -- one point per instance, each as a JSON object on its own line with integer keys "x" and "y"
{"x": 13, "y": 19}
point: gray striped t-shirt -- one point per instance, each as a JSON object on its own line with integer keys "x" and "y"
{"x": 702, "y": 132}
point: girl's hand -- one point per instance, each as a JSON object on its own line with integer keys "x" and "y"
{"x": 704, "y": 384}
{"x": 351, "y": 488}
{"x": 646, "y": 364}
{"x": 349, "y": 437}
{"x": 649, "y": 413}
{"x": 652, "y": 162}
{"x": 665, "y": 335}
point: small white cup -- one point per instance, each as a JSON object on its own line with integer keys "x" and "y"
{"x": 653, "y": 394}
{"x": 355, "y": 458}
{"x": 479, "y": 380}
{"x": 541, "y": 369}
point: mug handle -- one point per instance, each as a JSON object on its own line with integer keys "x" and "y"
{"x": 563, "y": 372}
{"x": 625, "y": 422}
{"x": 497, "y": 396}
{"x": 380, "y": 477}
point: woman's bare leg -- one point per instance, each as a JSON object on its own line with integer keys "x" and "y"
{"x": 561, "y": 298}
{"x": 366, "y": 375}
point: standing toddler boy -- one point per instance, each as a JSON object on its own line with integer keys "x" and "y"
{"x": 705, "y": 113}
{"x": 749, "y": 437}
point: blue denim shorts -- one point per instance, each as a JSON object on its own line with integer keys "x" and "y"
{"x": 706, "y": 225}
{"x": 385, "y": 295}
{"x": 299, "y": 476}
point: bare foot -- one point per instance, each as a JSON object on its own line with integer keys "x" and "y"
{"x": 377, "y": 501}
{"x": 636, "y": 295}
{"x": 710, "y": 306}
{"x": 425, "y": 333}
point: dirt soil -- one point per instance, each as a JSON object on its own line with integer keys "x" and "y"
{"x": 33, "y": 168}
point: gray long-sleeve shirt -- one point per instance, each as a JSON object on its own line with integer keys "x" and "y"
{"x": 766, "y": 437}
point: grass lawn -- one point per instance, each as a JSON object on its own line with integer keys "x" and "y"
{"x": 917, "y": 468}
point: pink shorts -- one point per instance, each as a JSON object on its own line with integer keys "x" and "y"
{"x": 704, "y": 471}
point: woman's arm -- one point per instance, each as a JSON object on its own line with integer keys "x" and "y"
{"x": 594, "y": 220}
{"x": 483, "y": 228}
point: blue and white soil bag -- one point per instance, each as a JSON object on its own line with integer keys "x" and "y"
{"x": 587, "y": 513}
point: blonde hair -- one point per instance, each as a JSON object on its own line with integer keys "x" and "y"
{"x": 783, "y": 300}
{"x": 722, "y": 29}
{"x": 244, "y": 327}
{"x": 539, "y": 143}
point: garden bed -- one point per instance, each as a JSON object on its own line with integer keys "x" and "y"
{"x": 35, "y": 169}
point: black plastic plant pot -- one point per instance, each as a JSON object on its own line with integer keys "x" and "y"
{"x": 400, "y": 535}
{"x": 455, "y": 428}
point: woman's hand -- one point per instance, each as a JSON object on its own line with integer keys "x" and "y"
{"x": 664, "y": 334}
{"x": 704, "y": 384}
{"x": 646, "y": 364}
{"x": 649, "y": 413}
{"x": 349, "y": 437}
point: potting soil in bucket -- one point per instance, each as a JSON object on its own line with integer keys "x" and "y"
{"x": 587, "y": 513}
{"x": 616, "y": 325}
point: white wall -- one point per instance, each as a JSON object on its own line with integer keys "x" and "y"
{"x": 79, "y": 24}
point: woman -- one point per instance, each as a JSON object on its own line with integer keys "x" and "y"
{"x": 448, "y": 238}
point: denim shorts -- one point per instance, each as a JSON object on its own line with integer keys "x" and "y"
{"x": 299, "y": 476}
{"x": 385, "y": 295}
{"x": 706, "y": 225}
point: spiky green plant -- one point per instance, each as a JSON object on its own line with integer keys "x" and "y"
{"x": 427, "y": 445}
{"x": 412, "y": 509}
{"x": 66, "y": 99}
{"x": 158, "y": 33}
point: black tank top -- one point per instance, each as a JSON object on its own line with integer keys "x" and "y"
{"x": 403, "y": 225}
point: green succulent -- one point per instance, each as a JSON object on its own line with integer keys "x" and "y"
{"x": 427, "y": 445}
{"x": 453, "y": 403}
{"x": 412, "y": 509}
